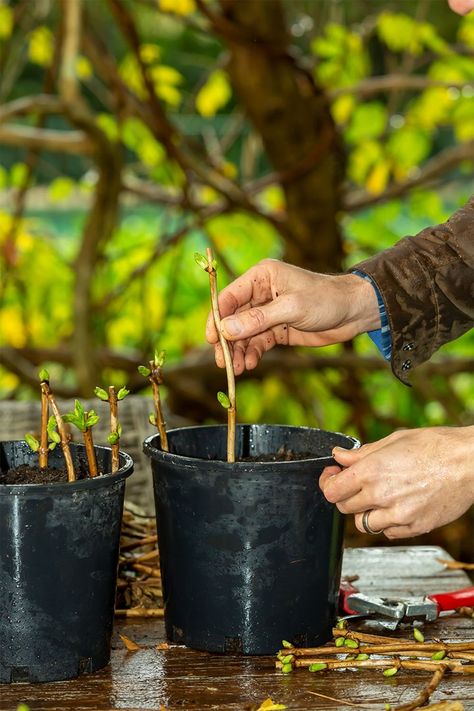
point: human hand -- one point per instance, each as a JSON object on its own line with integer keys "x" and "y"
{"x": 411, "y": 481}
{"x": 462, "y": 7}
{"x": 276, "y": 303}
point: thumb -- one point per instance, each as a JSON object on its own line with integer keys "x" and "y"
{"x": 346, "y": 457}
{"x": 257, "y": 320}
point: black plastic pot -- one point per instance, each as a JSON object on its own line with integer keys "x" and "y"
{"x": 250, "y": 552}
{"x": 59, "y": 548}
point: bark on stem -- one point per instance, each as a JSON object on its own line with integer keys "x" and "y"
{"x": 423, "y": 649}
{"x": 424, "y": 696}
{"x": 90, "y": 452}
{"x": 43, "y": 450}
{"x": 229, "y": 368}
{"x": 408, "y": 643}
{"x": 64, "y": 437}
{"x": 426, "y": 665}
{"x": 156, "y": 380}
{"x": 114, "y": 427}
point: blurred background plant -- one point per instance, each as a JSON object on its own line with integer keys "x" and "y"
{"x": 134, "y": 133}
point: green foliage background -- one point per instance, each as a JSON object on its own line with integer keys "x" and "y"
{"x": 163, "y": 299}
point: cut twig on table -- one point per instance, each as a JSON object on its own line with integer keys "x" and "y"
{"x": 455, "y": 564}
{"x": 424, "y": 696}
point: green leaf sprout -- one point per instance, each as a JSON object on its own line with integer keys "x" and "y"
{"x": 101, "y": 394}
{"x": 201, "y": 261}
{"x": 223, "y": 399}
{"x": 143, "y": 370}
{"x": 32, "y": 442}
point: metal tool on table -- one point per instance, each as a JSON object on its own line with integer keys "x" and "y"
{"x": 427, "y": 608}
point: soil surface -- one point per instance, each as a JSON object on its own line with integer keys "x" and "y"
{"x": 26, "y": 474}
{"x": 283, "y": 455}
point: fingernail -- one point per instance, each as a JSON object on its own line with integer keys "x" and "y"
{"x": 232, "y": 326}
{"x": 337, "y": 449}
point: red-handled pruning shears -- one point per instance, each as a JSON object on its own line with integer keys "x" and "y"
{"x": 427, "y": 608}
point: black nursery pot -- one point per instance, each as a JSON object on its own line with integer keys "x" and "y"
{"x": 250, "y": 552}
{"x": 59, "y": 548}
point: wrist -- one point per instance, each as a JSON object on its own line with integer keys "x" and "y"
{"x": 363, "y": 308}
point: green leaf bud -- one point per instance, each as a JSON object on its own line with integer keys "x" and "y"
{"x": 223, "y": 399}
{"x": 341, "y": 625}
{"x": 286, "y": 644}
{"x": 101, "y": 394}
{"x": 362, "y": 657}
{"x": 288, "y": 659}
{"x": 55, "y": 437}
{"x": 391, "y": 671}
{"x": 119, "y": 429}
{"x": 214, "y": 264}
{"x": 318, "y": 666}
{"x": 92, "y": 418}
{"x": 52, "y": 445}
{"x": 437, "y": 656}
{"x": 122, "y": 393}
{"x": 160, "y": 357}
{"x": 201, "y": 261}
{"x": 52, "y": 424}
{"x": 32, "y": 442}
{"x": 418, "y": 635}
{"x": 350, "y": 643}
{"x": 152, "y": 419}
{"x": 287, "y": 668}
{"x": 339, "y": 641}
{"x": 113, "y": 438}
{"x": 43, "y": 375}
{"x": 143, "y": 370}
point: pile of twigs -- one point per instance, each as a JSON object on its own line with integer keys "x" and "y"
{"x": 355, "y": 650}
{"x": 139, "y": 581}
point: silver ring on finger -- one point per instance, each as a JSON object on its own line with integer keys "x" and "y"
{"x": 365, "y": 524}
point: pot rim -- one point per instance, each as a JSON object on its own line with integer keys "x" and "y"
{"x": 155, "y": 453}
{"x": 71, "y": 486}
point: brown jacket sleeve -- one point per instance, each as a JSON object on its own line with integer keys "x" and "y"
{"x": 427, "y": 284}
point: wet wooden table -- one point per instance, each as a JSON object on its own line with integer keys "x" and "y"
{"x": 180, "y": 678}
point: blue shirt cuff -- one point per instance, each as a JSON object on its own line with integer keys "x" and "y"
{"x": 380, "y": 336}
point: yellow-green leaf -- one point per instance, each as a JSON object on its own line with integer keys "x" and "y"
{"x": 83, "y": 68}
{"x": 41, "y": 46}
{"x": 6, "y": 21}
{"x": 270, "y": 705}
{"x": 150, "y": 53}
{"x": 378, "y": 178}
{"x": 179, "y": 7}
{"x": 60, "y": 189}
{"x": 214, "y": 95}
{"x": 342, "y": 108}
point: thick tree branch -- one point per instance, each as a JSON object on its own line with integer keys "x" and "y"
{"x": 433, "y": 169}
{"x": 39, "y": 104}
{"x": 47, "y": 139}
{"x": 68, "y": 87}
{"x": 291, "y": 114}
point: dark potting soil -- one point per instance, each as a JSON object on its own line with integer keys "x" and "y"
{"x": 283, "y": 455}
{"x": 26, "y": 474}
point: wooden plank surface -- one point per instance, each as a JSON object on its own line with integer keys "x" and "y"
{"x": 180, "y": 678}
